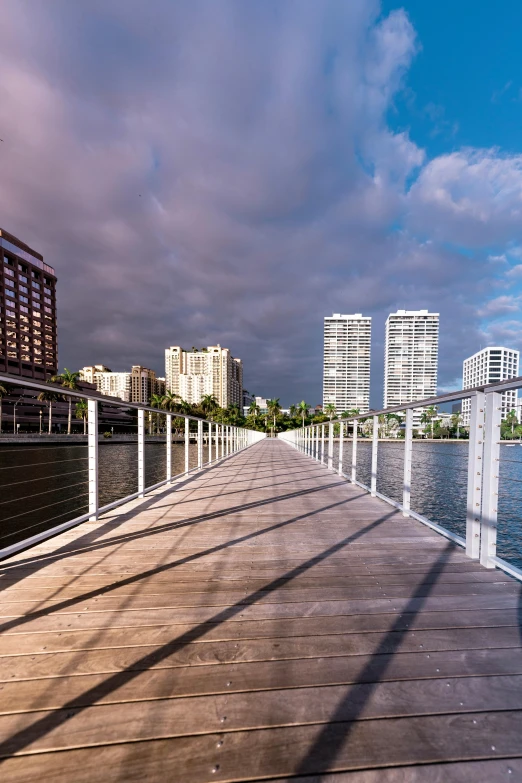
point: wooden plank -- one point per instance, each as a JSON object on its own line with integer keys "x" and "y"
{"x": 240, "y": 756}
{"x": 180, "y": 652}
{"x": 105, "y": 634}
{"x": 163, "y": 718}
{"x": 81, "y": 690}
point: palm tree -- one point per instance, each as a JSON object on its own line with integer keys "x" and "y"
{"x": 254, "y": 410}
{"x": 69, "y": 380}
{"x": 49, "y": 397}
{"x": 428, "y": 415}
{"x": 329, "y": 408}
{"x": 511, "y": 418}
{"x": 303, "y": 410}
{"x": 456, "y": 421}
{"x": 293, "y": 411}
{"x": 171, "y": 401}
{"x": 82, "y": 412}
{"x": 156, "y": 401}
{"x": 4, "y": 391}
{"x": 208, "y": 404}
{"x": 273, "y": 408}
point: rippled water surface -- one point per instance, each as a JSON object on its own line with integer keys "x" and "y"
{"x": 42, "y": 486}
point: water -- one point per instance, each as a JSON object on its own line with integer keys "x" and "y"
{"x": 439, "y": 483}
{"x": 42, "y": 486}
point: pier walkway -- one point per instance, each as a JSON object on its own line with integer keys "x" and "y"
{"x": 264, "y": 620}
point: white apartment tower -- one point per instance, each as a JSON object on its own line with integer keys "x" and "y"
{"x": 213, "y": 370}
{"x": 346, "y": 370}
{"x": 491, "y": 365}
{"x": 411, "y": 357}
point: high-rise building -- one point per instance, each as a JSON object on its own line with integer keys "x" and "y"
{"x": 490, "y": 365}
{"x": 28, "y": 331}
{"x": 346, "y": 370}
{"x": 213, "y": 370}
{"x": 112, "y": 384}
{"x": 411, "y": 357}
{"x": 138, "y": 385}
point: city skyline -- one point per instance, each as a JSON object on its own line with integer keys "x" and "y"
{"x": 182, "y": 207}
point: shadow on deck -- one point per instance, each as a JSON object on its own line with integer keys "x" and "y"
{"x": 264, "y": 620}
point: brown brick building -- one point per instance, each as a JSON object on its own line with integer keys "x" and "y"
{"x": 28, "y": 328}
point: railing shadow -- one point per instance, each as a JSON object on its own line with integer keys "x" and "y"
{"x": 19, "y": 621}
{"x": 18, "y": 741}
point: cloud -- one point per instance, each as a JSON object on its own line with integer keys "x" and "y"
{"x": 473, "y": 197}
{"x": 501, "y": 305}
{"x": 228, "y": 173}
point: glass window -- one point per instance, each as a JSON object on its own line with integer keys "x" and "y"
{"x": 9, "y": 272}
{"x": 36, "y": 295}
{"x": 11, "y": 314}
{"x": 47, "y": 300}
{"x": 47, "y": 291}
{"x": 47, "y": 309}
{"x": 24, "y": 309}
{"x": 22, "y": 278}
{"x": 10, "y": 283}
{"x": 36, "y": 285}
{"x": 24, "y": 299}
{"x": 10, "y": 293}
{"x": 23, "y": 289}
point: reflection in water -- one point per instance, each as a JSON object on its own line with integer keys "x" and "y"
{"x": 42, "y": 486}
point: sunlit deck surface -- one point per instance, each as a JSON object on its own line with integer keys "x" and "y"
{"x": 265, "y": 620}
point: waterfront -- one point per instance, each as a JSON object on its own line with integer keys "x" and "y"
{"x": 42, "y": 486}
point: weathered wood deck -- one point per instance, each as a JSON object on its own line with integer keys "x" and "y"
{"x": 266, "y": 620}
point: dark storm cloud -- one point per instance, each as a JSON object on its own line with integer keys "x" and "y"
{"x": 204, "y": 172}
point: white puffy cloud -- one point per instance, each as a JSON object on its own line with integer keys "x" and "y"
{"x": 470, "y": 197}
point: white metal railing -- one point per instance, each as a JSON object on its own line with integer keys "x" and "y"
{"x": 221, "y": 440}
{"x": 480, "y": 541}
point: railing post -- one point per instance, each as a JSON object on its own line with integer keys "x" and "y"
{"x": 92, "y": 454}
{"x": 408, "y": 450}
{"x": 330, "y": 445}
{"x": 341, "y": 442}
{"x": 141, "y": 452}
{"x": 475, "y": 470}
{"x": 187, "y": 445}
{"x": 200, "y": 444}
{"x": 210, "y": 441}
{"x": 375, "y": 445}
{"x": 354, "y": 452}
{"x": 322, "y": 445}
{"x": 488, "y": 524}
{"x": 168, "y": 423}
{"x": 316, "y": 443}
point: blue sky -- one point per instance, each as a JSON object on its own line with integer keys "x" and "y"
{"x": 231, "y": 172}
{"x": 464, "y": 87}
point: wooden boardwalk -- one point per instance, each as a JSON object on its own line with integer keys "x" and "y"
{"x": 266, "y": 620}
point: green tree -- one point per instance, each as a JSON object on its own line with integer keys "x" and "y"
{"x": 329, "y": 409}
{"x": 428, "y": 416}
{"x": 82, "y": 412}
{"x": 49, "y": 397}
{"x": 69, "y": 380}
{"x": 512, "y": 421}
{"x": 254, "y": 410}
{"x": 208, "y": 405}
{"x": 273, "y": 408}
{"x": 156, "y": 401}
{"x": 171, "y": 401}
{"x": 456, "y": 421}
{"x": 303, "y": 410}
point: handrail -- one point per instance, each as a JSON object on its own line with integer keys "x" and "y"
{"x": 482, "y": 470}
{"x": 85, "y": 395}
{"x": 221, "y": 440}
